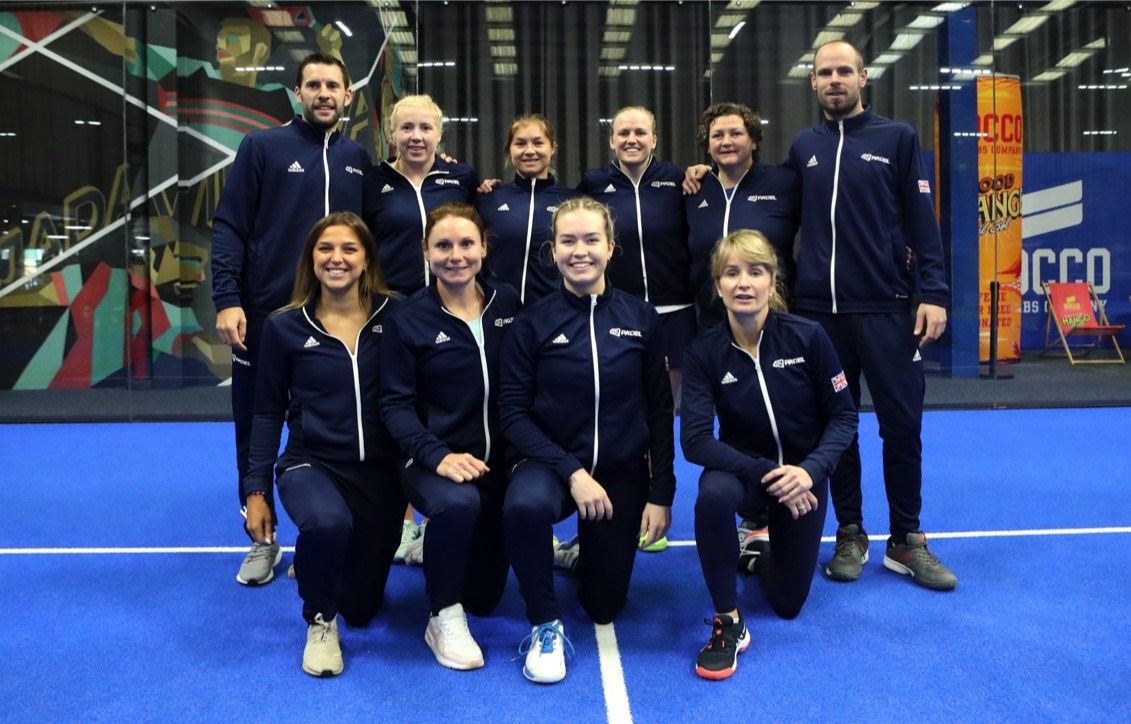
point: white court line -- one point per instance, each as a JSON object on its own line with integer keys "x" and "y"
{"x": 973, "y": 534}
{"x": 612, "y": 675}
{"x": 128, "y": 551}
{"x": 672, "y": 544}
{"x": 617, "y": 706}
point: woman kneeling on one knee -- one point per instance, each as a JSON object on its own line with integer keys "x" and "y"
{"x": 441, "y": 362}
{"x": 337, "y": 475}
{"x": 587, "y": 405}
{"x": 785, "y": 416}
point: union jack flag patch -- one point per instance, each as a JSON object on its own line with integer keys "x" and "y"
{"x": 839, "y": 383}
{"x": 924, "y": 186}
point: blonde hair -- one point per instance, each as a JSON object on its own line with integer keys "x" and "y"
{"x": 421, "y": 101}
{"x": 307, "y": 287}
{"x": 626, "y": 109}
{"x": 582, "y": 203}
{"x": 751, "y": 247}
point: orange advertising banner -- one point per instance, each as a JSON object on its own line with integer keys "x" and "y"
{"x": 1000, "y": 133}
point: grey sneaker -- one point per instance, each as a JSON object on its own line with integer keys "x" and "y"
{"x": 850, "y": 555}
{"x": 259, "y": 565}
{"x": 913, "y": 558}
{"x": 567, "y": 555}
{"x": 323, "y": 653}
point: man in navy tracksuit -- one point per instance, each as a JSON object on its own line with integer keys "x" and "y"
{"x": 396, "y": 212}
{"x": 283, "y": 180}
{"x": 867, "y": 227}
{"x": 518, "y": 216}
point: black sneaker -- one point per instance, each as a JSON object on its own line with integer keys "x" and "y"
{"x": 719, "y": 658}
{"x": 850, "y": 555}
{"x": 913, "y": 558}
{"x": 752, "y": 544}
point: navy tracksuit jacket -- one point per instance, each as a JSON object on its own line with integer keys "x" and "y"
{"x": 518, "y": 219}
{"x": 396, "y": 212}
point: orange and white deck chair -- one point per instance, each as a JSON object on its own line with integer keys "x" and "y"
{"x": 1073, "y": 309}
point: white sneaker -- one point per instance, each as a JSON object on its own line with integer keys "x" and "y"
{"x": 323, "y": 653}
{"x": 450, "y": 640}
{"x": 546, "y": 649}
{"x": 409, "y": 533}
{"x": 414, "y": 554}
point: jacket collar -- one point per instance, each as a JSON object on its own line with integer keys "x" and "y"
{"x": 527, "y": 183}
{"x": 728, "y": 333}
{"x": 647, "y": 167}
{"x": 583, "y": 302}
{"x": 308, "y": 131}
{"x": 851, "y": 124}
{"x": 487, "y": 286}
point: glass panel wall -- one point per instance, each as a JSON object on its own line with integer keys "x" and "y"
{"x": 121, "y": 120}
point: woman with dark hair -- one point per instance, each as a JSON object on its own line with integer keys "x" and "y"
{"x": 440, "y": 364}
{"x": 740, "y": 192}
{"x": 785, "y": 416}
{"x": 587, "y": 406}
{"x": 518, "y": 213}
{"x": 337, "y": 474}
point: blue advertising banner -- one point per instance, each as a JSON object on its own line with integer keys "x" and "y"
{"x": 1075, "y": 229}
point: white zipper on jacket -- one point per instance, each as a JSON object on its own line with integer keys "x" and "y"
{"x": 832, "y": 216}
{"x": 529, "y": 233}
{"x": 483, "y": 367}
{"x": 356, "y": 372}
{"x": 326, "y": 172}
{"x": 640, "y": 223}
{"x": 423, "y": 212}
{"x": 728, "y": 199}
{"x": 765, "y": 394}
{"x": 596, "y": 380}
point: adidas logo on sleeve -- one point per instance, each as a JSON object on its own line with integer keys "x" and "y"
{"x": 729, "y": 379}
{"x": 295, "y": 168}
{"x": 561, "y": 339}
{"x": 310, "y": 342}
